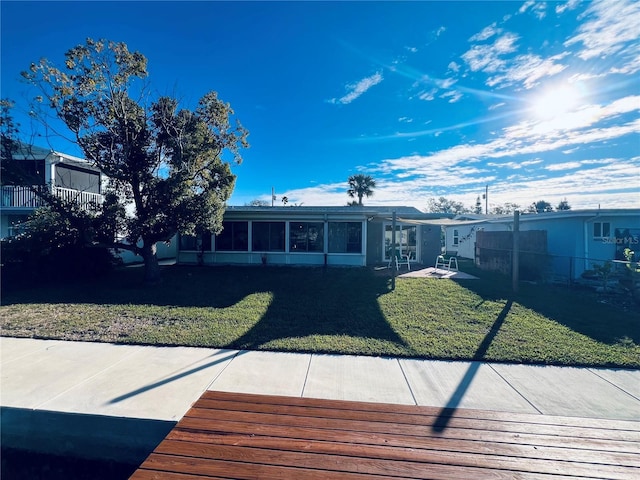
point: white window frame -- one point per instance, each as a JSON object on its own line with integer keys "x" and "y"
{"x": 602, "y": 230}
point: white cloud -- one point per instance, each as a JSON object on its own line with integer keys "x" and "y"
{"x": 527, "y": 138}
{"x": 563, "y": 166}
{"x": 453, "y": 67}
{"x": 497, "y": 105}
{"x": 583, "y": 77}
{"x": 486, "y": 58}
{"x": 528, "y": 69}
{"x": 610, "y": 28}
{"x": 570, "y": 5}
{"x": 428, "y": 95}
{"x": 601, "y": 161}
{"x": 515, "y": 165}
{"x": 453, "y": 96}
{"x": 525, "y": 6}
{"x": 531, "y": 162}
{"x": 575, "y": 120}
{"x": 359, "y": 88}
{"x": 632, "y": 66}
{"x": 539, "y": 9}
{"x": 446, "y": 83}
{"x": 604, "y": 184}
{"x": 486, "y": 33}
{"x": 589, "y": 184}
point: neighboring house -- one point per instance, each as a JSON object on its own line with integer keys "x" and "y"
{"x": 576, "y": 239}
{"x": 460, "y": 232}
{"x": 348, "y": 236}
{"x": 31, "y": 168}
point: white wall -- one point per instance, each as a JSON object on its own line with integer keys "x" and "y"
{"x": 164, "y": 251}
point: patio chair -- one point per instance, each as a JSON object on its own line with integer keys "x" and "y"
{"x": 400, "y": 260}
{"x": 452, "y": 263}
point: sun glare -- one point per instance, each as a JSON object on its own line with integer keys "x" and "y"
{"x": 556, "y": 102}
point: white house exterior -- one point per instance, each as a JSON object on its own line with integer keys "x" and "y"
{"x": 576, "y": 239}
{"x": 460, "y": 232}
{"x": 347, "y": 236}
{"x": 32, "y": 167}
{"x": 66, "y": 176}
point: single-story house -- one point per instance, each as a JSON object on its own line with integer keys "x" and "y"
{"x": 347, "y": 236}
{"x": 576, "y": 239}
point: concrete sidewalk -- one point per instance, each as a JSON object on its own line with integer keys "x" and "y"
{"x": 161, "y": 383}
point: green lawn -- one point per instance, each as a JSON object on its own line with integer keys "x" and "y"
{"x": 335, "y": 310}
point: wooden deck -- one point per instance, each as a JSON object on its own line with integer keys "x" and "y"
{"x": 227, "y": 435}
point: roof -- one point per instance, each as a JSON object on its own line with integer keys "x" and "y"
{"x": 564, "y": 214}
{"x": 25, "y": 151}
{"x": 589, "y": 214}
{"x": 364, "y": 210}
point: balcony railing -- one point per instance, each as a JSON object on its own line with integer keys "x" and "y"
{"x": 24, "y": 197}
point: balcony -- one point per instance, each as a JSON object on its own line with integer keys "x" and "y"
{"x": 21, "y": 197}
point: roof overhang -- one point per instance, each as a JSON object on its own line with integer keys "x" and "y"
{"x": 443, "y": 222}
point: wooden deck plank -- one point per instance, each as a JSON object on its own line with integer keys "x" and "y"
{"x": 381, "y": 447}
{"x": 228, "y": 435}
{"x": 412, "y": 464}
{"x": 236, "y": 400}
{"x": 164, "y": 475}
{"x": 205, "y": 468}
{"x": 422, "y": 426}
{"x": 242, "y": 470}
{"x": 377, "y": 435}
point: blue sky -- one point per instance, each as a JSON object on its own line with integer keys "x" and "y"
{"x": 537, "y": 100}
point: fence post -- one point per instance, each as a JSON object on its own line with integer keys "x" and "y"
{"x": 570, "y": 271}
{"x": 393, "y": 250}
{"x": 515, "y": 260}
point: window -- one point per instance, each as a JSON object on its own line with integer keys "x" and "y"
{"x": 267, "y": 236}
{"x": 456, "y": 237}
{"x": 306, "y": 237}
{"x": 345, "y": 237}
{"x": 233, "y": 238}
{"x": 405, "y": 240}
{"x": 196, "y": 243}
{"x": 601, "y": 229}
{"x": 77, "y": 179}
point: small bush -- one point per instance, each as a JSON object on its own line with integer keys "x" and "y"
{"x": 25, "y": 263}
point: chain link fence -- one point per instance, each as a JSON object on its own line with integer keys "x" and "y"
{"x": 557, "y": 269}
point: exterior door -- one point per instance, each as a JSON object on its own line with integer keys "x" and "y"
{"x": 406, "y": 241}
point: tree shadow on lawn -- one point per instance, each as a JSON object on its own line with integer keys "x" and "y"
{"x": 328, "y": 302}
{"x": 454, "y": 401}
{"x": 583, "y": 311}
{"x": 181, "y": 286}
{"x": 305, "y": 300}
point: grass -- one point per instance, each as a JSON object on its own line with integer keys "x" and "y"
{"x": 335, "y": 310}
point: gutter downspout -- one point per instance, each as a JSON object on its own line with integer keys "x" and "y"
{"x": 586, "y": 239}
{"x": 586, "y": 245}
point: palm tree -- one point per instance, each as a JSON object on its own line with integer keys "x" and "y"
{"x": 361, "y": 185}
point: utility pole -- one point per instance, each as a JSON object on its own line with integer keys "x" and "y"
{"x": 486, "y": 199}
